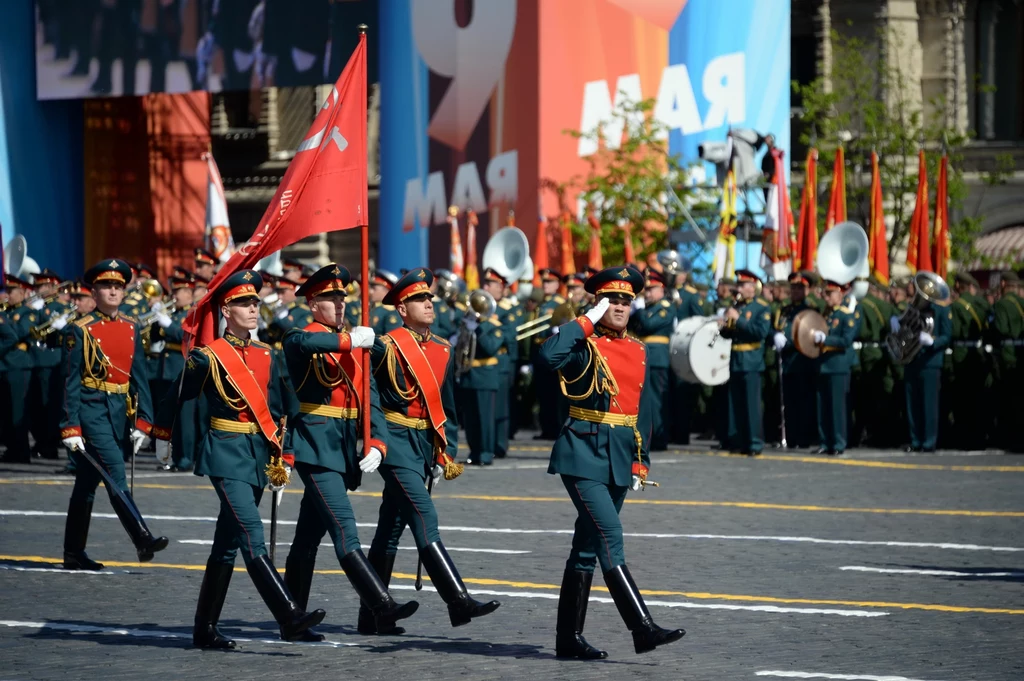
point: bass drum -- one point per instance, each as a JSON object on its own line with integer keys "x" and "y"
{"x": 698, "y": 354}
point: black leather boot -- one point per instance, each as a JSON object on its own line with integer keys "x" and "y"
{"x": 461, "y": 606}
{"x": 646, "y": 634}
{"x": 572, "y": 613}
{"x": 292, "y": 619}
{"x": 211, "y": 600}
{"x": 131, "y": 519}
{"x": 76, "y": 532}
{"x": 383, "y": 565}
{"x": 298, "y": 577}
{"x": 373, "y": 594}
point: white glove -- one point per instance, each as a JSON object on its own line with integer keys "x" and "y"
{"x": 437, "y": 473}
{"x": 138, "y": 439}
{"x": 282, "y": 313}
{"x": 554, "y": 330}
{"x": 638, "y": 303}
{"x": 819, "y": 337}
{"x": 371, "y": 461}
{"x": 780, "y": 340}
{"x": 471, "y": 324}
{"x": 598, "y": 310}
{"x": 720, "y": 312}
{"x": 163, "y": 452}
{"x": 60, "y": 322}
{"x": 362, "y": 337}
{"x": 278, "y": 488}
{"x": 37, "y": 304}
{"x": 163, "y": 320}
{"x": 271, "y": 300}
{"x": 894, "y": 323}
{"x": 525, "y": 370}
{"x": 74, "y": 443}
{"x": 926, "y": 339}
{"x": 157, "y": 307}
{"x": 636, "y": 484}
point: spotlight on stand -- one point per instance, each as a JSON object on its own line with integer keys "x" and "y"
{"x": 738, "y": 150}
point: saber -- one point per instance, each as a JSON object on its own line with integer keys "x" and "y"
{"x": 110, "y": 484}
{"x": 782, "y": 402}
{"x": 644, "y": 484}
{"x": 419, "y": 562}
{"x": 133, "y": 411}
{"x": 275, "y": 498}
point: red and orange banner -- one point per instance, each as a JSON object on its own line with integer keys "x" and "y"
{"x": 940, "y": 249}
{"x": 919, "y": 256}
{"x": 878, "y": 246}
{"x": 807, "y": 233}
{"x": 837, "y": 195}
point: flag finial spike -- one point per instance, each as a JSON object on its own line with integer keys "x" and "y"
{"x": 362, "y": 29}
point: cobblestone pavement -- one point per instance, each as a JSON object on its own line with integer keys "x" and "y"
{"x": 876, "y": 566}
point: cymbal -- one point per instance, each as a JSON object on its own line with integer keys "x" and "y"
{"x": 804, "y": 325}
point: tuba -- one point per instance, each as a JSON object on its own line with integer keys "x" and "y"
{"x": 481, "y": 306}
{"x": 843, "y": 253}
{"x": 507, "y": 253}
{"x": 905, "y": 343}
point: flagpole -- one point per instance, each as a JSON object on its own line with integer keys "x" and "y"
{"x": 364, "y": 233}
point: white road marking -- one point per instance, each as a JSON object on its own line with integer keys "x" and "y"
{"x": 672, "y": 604}
{"x": 839, "y": 677}
{"x": 19, "y": 568}
{"x": 930, "y": 573}
{"x": 209, "y": 542}
{"x": 948, "y": 546}
{"x": 153, "y": 633}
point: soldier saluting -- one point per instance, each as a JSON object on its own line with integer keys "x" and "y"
{"x": 325, "y": 363}
{"x": 106, "y": 394}
{"x": 602, "y": 452}
{"x": 415, "y": 375}
{"x": 238, "y": 379}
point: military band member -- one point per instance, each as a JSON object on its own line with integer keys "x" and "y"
{"x": 574, "y": 291}
{"x": 237, "y": 377}
{"x": 551, "y": 405}
{"x": 922, "y": 376}
{"x": 834, "y": 366}
{"x": 444, "y": 317}
{"x": 325, "y": 362}
{"x": 382, "y": 315}
{"x": 48, "y": 384}
{"x": 1006, "y": 333}
{"x": 798, "y": 371}
{"x": 603, "y": 451}
{"x": 18, "y": 364}
{"x": 202, "y": 286}
{"x": 969, "y": 371}
{"x": 653, "y": 322}
{"x": 178, "y": 455}
{"x": 415, "y": 376}
{"x": 746, "y": 324}
{"x": 770, "y": 385}
{"x": 204, "y": 265}
{"x": 871, "y": 382}
{"x": 481, "y": 383}
{"x": 507, "y": 317}
{"x": 688, "y": 303}
{"x": 107, "y": 413}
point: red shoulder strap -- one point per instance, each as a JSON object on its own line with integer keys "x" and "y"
{"x": 419, "y": 366}
{"x": 244, "y": 382}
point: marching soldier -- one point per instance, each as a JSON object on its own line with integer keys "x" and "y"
{"x": 834, "y": 367}
{"x": 18, "y": 364}
{"x": 107, "y": 413}
{"x": 483, "y": 381}
{"x": 237, "y": 378}
{"x": 1006, "y": 330}
{"x": 922, "y": 378}
{"x": 382, "y": 315}
{"x": 746, "y": 324}
{"x": 551, "y": 405}
{"x": 603, "y": 373}
{"x": 965, "y": 378}
{"x": 168, "y": 331}
{"x": 653, "y": 323}
{"x": 798, "y": 371}
{"x": 416, "y": 380}
{"x": 322, "y": 440}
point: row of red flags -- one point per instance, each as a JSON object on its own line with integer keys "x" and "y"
{"x": 922, "y": 252}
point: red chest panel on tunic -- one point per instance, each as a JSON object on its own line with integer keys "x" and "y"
{"x": 117, "y": 341}
{"x": 437, "y": 355}
{"x": 627, "y": 360}
{"x": 334, "y": 363}
{"x": 257, "y": 358}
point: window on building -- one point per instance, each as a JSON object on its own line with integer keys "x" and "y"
{"x": 1000, "y": 70}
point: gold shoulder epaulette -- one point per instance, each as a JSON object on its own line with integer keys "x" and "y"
{"x": 665, "y": 303}
{"x": 128, "y": 317}
{"x": 762, "y": 301}
{"x": 847, "y": 310}
{"x": 689, "y": 289}
{"x": 505, "y": 304}
{"x": 84, "y": 321}
{"x": 389, "y": 308}
{"x": 559, "y": 299}
{"x": 260, "y": 344}
{"x": 440, "y": 340}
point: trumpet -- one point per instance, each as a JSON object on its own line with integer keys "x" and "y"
{"x": 41, "y": 331}
{"x": 35, "y": 297}
{"x": 560, "y": 315}
{"x": 148, "y": 318}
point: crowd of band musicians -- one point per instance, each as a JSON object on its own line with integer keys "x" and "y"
{"x": 102, "y": 359}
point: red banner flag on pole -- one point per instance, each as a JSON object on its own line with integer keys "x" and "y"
{"x": 807, "y": 234}
{"x": 940, "y": 251}
{"x": 568, "y": 248}
{"x": 540, "y": 249}
{"x": 472, "y": 272}
{"x": 919, "y": 256}
{"x": 456, "y": 263}
{"x": 878, "y": 246}
{"x": 778, "y": 249}
{"x": 323, "y": 190}
{"x": 594, "y": 258}
{"x": 836, "y": 212}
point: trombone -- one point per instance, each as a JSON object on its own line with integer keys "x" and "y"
{"x": 35, "y": 297}
{"x": 560, "y": 315}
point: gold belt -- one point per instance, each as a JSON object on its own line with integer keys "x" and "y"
{"x": 22, "y": 346}
{"x": 661, "y": 340}
{"x": 229, "y": 426}
{"x": 105, "y": 386}
{"x": 172, "y": 346}
{"x": 401, "y": 419}
{"x": 488, "y": 362}
{"x": 745, "y": 347}
{"x": 610, "y": 419}
{"x": 329, "y": 410}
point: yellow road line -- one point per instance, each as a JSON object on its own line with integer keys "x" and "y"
{"x": 831, "y": 461}
{"x": 754, "y": 505}
{"x": 696, "y": 595}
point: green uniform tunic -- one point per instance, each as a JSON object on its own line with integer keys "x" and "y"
{"x": 653, "y": 326}
{"x": 18, "y": 363}
{"x": 480, "y": 386}
{"x": 799, "y": 382}
{"x": 746, "y": 365}
{"x": 834, "y": 365}
{"x": 965, "y": 375}
{"x": 922, "y": 377}
{"x": 1006, "y": 331}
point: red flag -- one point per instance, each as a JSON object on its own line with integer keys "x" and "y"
{"x": 594, "y": 258}
{"x": 455, "y": 258}
{"x": 627, "y": 252}
{"x": 940, "y": 251}
{"x": 472, "y": 272}
{"x": 878, "y": 247}
{"x": 919, "y": 256}
{"x": 837, "y": 197}
{"x": 807, "y": 235}
{"x": 540, "y": 249}
{"x": 323, "y": 190}
{"x": 568, "y": 249}
{"x": 778, "y": 214}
